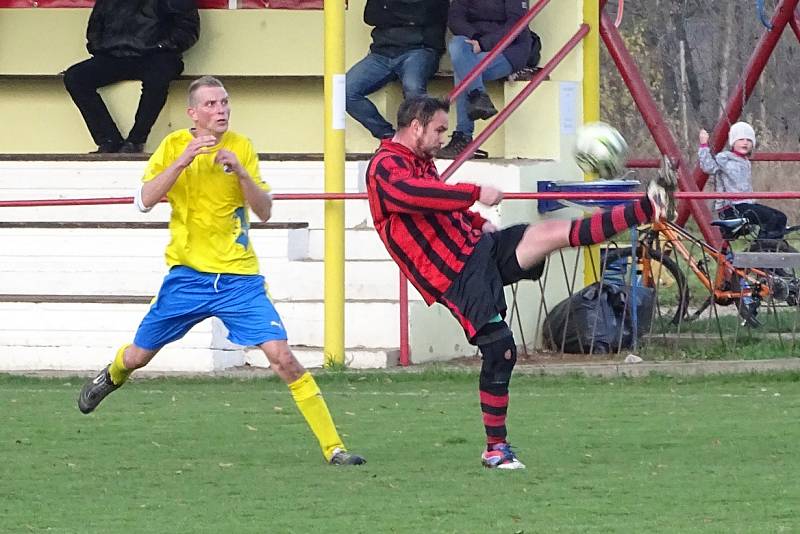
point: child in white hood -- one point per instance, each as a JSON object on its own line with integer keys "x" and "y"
{"x": 732, "y": 173}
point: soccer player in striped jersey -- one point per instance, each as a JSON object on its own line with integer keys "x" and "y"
{"x": 211, "y": 178}
{"x": 455, "y": 257}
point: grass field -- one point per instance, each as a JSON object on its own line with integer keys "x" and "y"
{"x": 175, "y": 456}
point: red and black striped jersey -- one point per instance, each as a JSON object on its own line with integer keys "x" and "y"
{"x": 425, "y": 224}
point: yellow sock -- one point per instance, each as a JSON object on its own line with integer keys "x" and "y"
{"x": 117, "y": 370}
{"x": 309, "y": 400}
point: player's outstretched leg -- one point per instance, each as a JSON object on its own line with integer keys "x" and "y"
{"x": 108, "y": 380}
{"x": 657, "y": 205}
{"x": 499, "y": 354}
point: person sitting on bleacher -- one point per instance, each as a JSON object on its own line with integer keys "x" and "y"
{"x": 407, "y": 43}
{"x": 477, "y": 26}
{"x": 131, "y": 41}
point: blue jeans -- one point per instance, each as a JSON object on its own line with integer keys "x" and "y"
{"x": 464, "y": 60}
{"x": 414, "y": 69}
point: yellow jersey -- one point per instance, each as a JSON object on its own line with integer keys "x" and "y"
{"x": 210, "y": 219}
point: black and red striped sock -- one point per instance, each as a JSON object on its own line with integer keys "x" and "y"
{"x": 494, "y": 408}
{"x": 600, "y": 226}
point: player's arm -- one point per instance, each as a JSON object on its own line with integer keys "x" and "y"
{"x": 255, "y": 192}
{"x": 154, "y": 190}
{"x": 400, "y": 192}
{"x": 260, "y": 201}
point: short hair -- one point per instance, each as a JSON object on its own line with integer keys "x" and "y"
{"x": 422, "y": 108}
{"x": 203, "y": 81}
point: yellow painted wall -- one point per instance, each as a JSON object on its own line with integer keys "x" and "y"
{"x": 280, "y": 107}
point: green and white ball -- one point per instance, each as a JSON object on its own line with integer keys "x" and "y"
{"x": 601, "y": 149}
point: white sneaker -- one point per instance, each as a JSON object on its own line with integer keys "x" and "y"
{"x": 501, "y": 457}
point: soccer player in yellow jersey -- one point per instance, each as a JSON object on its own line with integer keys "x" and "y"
{"x": 210, "y": 176}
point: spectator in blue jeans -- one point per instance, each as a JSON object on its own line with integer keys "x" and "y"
{"x": 477, "y": 26}
{"x": 407, "y": 42}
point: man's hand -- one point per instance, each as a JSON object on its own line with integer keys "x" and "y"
{"x": 196, "y": 146}
{"x": 703, "y": 137}
{"x": 490, "y": 196}
{"x": 229, "y": 161}
{"x": 488, "y": 227}
{"x": 476, "y": 46}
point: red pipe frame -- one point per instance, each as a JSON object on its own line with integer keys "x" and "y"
{"x": 655, "y": 122}
{"x": 515, "y": 30}
{"x": 542, "y": 195}
{"x": 784, "y": 13}
{"x": 517, "y": 101}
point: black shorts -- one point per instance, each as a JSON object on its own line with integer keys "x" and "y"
{"x": 476, "y": 296}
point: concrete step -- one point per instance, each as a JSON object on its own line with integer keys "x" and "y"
{"x": 176, "y": 358}
{"x": 122, "y": 243}
{"x": 308, "y": 211}
{"x": 287, "y": 280}
{"x": 51, "y": 323}
{"x": 359, "y": 244}
{"x": 48, "y": 179}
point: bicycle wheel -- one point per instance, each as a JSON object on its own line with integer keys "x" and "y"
{"x": 664, "y": 276}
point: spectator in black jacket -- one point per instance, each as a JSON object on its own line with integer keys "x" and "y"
{"x": 407, "y": 42}
{"x": 477, "y": 26}
{"x": 141, "y": 40}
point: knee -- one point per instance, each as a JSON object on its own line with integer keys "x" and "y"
{"x": 282, "y": 361}
{"x": 72, "y": 80}
{"x": 414, "y": 87}
{"x": 499, "y": 352}
{"x": 136, "y": 357}
{"x": 458, "y": 48}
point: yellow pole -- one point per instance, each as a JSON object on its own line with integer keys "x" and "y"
{"x": 334, "y": 181}
{"x": 591, "y": 105}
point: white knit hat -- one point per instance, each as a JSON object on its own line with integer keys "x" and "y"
{"x": 741, "y": 130}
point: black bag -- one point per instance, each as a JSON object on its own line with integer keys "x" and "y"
{"x": 595, "y": 320}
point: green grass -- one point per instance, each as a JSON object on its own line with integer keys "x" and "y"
{"x": 168, "y": 455}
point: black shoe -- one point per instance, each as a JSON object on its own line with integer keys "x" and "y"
{"x": 748, "y": 312}
{"x": 109, "y": 147}
{"x": 95, "y": 391}
{"x": 479, "y": 105}
{"x": 458, "y": 142}
{"x": 342, "y": 457}
{"x": 131, "y": 148}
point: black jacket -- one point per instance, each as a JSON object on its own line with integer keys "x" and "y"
{"x": 134, "y": 28}
{"x": 488, "y": 21}
{"x": 403, "y": 25}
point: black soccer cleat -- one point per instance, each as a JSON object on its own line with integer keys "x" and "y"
{"x": 479, "y": 105}
{"x": 342, "y": 457}
{"x": 94, "y": 391}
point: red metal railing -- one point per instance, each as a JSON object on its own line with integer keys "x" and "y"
{"x": 517, "y": 101}
{"x": 543, "y": 195}
{"x": 784, "y": 13}
{"x": 654, "y": 163}
{"x": 521, "y": 24}
{"x": 403, "y": 289}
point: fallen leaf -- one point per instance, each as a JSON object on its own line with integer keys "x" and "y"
{"x": 252, "y": 428}
{"x": 221, "y": 464}
{"x": 156, "y": 444}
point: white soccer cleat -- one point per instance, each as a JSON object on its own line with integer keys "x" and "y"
{"x": 501, "y": 456}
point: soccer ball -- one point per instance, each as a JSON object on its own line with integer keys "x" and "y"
{"x": 600, "y": 148}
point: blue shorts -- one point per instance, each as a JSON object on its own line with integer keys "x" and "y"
{"x": 187, "y": 297}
